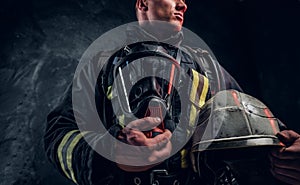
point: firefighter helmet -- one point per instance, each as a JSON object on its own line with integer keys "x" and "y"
{"x": 234, "y": 134}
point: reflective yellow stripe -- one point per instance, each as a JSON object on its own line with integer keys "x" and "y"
{"x": 122, "y": 120}
{"x": 60, "y": 149}
{"x": 70, "y": 153}
{"x": 194, "y": 95}
{"x": 204, "y": 92}
{"x": 195, "y": 85}
{"x": 193, "y": 110}
{"x": 188, "y": 132}
{"x": 184, "y": 163}
{"x": 193, "y": 114}
{"x": 109, "y": 93}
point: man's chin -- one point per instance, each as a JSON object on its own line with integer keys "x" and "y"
{"x": 173, "y": 26}
{"x": 176, "y": 26}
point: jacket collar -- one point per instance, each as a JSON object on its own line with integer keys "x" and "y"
{"x": 136, "y": 33}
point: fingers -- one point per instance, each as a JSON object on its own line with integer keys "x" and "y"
{"x": 143, "y": 150}
{"x": 149, "y": 149}
{"x": 144, "y": 124}
{"x": 285, "y": 162}
{"x": 164, "y": 153}
{"x": 142, "y": 155}
{"x": 292, "y": 149}
{"x": 138, "y": 138}
{"x": 159, "y": 141}
{"x": 290, "y": 153}
{"x": 288, "y": 136}
{"x": 135, "y": 136}
{"x": 286, "y": 153}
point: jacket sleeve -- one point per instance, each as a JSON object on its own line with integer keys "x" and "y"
{"x": 219, "y": 78}
{"x": 70, "y": 140}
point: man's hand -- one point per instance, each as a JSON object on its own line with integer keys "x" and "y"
{"x": 149, "y": 151}
{"x": 285, "y": 162}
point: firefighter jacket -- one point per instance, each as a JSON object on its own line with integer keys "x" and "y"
{"x": 71, "y": 150}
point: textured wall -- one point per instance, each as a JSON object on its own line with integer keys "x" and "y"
{"x": 43, "y": 44}
{"x": 42, "y": 41}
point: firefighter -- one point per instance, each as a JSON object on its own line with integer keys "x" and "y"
{"x": 72, "y": 153}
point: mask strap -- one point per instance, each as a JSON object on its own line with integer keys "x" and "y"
{"x": 178, "y": 60}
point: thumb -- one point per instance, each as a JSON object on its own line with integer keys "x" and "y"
{"x": 287, "y": 136}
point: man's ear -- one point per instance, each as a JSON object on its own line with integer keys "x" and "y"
{"x": 142, "y": 5}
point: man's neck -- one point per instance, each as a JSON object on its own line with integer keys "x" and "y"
{"x": 139, "y": 33}
{"x": 160, "y": 30}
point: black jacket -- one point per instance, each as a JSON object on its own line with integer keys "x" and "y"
{"x": 73, "y": 132}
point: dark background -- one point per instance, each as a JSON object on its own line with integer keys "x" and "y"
{"x": 41, "y": 42}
